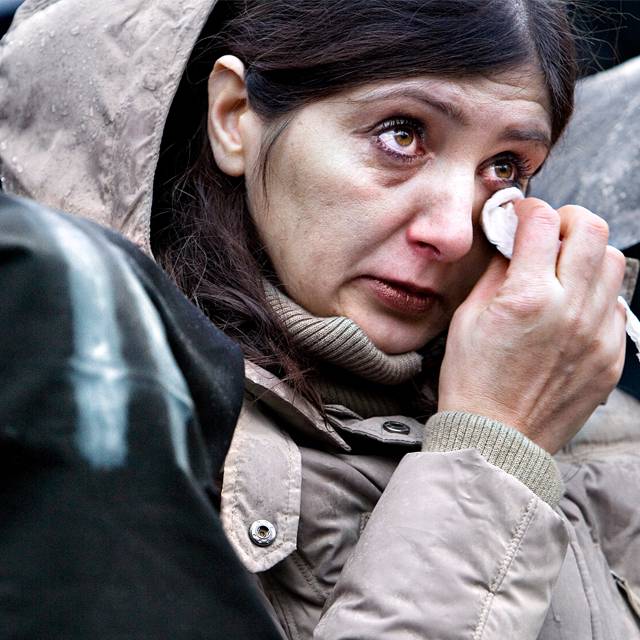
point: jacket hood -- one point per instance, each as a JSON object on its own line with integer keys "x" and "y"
{"x": 85, "y": 92}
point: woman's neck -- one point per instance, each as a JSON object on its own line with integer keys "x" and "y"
{"x": 350, "y": 370}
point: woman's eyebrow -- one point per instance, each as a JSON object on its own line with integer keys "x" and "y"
{"x": 533, "y": 134}
{"x": 449, "y": 109}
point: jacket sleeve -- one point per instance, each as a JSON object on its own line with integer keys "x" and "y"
{"x": 476, "y": 557}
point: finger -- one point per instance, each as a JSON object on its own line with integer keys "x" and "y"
{"x": 535, "y": 250}
{"x": 490, "y": 281}
{"x": 618, "y": 337}
{"x": 611, "y": 276}
{"x": 615, "y": 267}
{"x": 601, "y": 296}
{"x": 584, "y": 242}
{"x": 610, "y": 342}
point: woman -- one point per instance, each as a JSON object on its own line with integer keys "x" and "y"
{"x": 322, "y": 208}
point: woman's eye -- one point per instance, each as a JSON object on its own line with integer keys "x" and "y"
{"x": 505, "y": 171}
{"x": 514, "y": 171}
{"x": 400, "y": 138}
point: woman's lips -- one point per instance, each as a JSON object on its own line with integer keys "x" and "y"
{"x": 402, "y": 296}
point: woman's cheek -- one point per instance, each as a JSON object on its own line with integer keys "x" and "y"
{"x": 473, "y": 267}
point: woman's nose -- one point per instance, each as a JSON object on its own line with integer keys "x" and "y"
{"x": 443, "y": 228}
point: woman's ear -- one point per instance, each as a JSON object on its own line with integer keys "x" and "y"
{"x": 231, "y": 123}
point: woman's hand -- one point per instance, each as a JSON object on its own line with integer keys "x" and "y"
{"x": 539, "y": 343}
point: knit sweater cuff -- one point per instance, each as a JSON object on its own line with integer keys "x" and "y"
{"x": 500, "y": 445}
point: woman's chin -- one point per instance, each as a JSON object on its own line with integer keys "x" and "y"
{"x": 394, "y": 336}
{"x": 394, "y": 346}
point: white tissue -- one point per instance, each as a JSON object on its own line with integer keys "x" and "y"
{"x": 633, "y": 325}
{"x": 499, "y": 223}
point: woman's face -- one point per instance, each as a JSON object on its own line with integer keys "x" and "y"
{"x": 374, "y": 197}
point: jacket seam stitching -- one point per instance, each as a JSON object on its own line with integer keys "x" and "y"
{"x": 278, "y": 602}
{"x": 287, "y": 515}
{"x": 308, "y": 575}
{"x": 582, "y": 572}
{"x": 504, "y": 566}
{"x": 235, "y": 515}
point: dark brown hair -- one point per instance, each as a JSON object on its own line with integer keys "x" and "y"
{"x": 295, "y": 52}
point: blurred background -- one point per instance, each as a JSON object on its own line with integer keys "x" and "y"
{"x": 613, "y": 30}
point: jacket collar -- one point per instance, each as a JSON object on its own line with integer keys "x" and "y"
{"x": 302, "y": 417}
{"x": 296, "y": 411}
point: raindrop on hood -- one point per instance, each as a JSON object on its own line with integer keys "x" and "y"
{"x": 150, "y": 82}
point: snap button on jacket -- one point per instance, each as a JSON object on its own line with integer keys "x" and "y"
{"x": 261, "y": 482}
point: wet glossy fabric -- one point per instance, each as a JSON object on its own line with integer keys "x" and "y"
{"x": 99, "y": 110}
{"x": 117, "y": 404}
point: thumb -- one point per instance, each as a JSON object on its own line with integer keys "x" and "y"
{"x": 490, "y": 282}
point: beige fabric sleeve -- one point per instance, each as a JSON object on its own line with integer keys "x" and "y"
{"x": 500, "y": 445}
{"x": 455, "y": 548}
